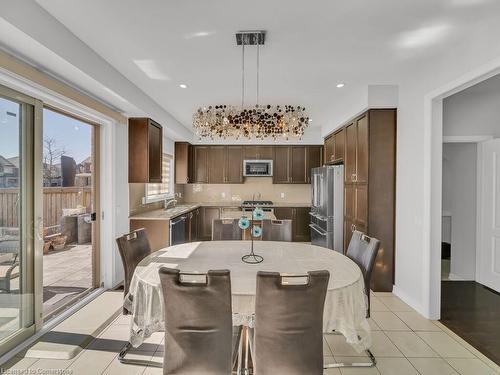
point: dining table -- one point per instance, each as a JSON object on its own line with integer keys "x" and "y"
{"x": 345, "y": 303}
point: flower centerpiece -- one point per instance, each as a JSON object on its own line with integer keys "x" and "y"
{"x": 255, "y": 232}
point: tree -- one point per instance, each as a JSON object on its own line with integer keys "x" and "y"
{"x": 51, "y": 156}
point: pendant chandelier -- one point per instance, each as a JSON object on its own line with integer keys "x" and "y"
{"x": 253, "y": 122}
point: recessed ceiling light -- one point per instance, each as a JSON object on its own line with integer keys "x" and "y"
{"x": 183, "y": 86}
{"x": 340, "y": 85}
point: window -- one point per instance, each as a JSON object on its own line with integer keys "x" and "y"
{"x": 157, "y": 192}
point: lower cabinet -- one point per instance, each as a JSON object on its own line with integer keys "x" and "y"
{"x": 192, "y": 219}
{"x": 158, "y": 231}
{"x": 206, "y": 217}
{"x": 300, "y": 221}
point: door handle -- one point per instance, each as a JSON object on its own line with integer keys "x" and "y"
{"x": 317, "y": 229}
{"x": 39, "y": 229}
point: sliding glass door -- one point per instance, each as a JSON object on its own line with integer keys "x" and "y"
{"x": 19, "y": 222}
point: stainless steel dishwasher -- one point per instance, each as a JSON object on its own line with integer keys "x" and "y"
{"x": 178, "y": 230}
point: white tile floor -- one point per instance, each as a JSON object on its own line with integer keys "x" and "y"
{"x": 403, "y": 342}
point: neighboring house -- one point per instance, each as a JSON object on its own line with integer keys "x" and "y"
{"x": 83, "y": 175}
{"x": 9, "y": 172}
{"x": 53, "y": 177}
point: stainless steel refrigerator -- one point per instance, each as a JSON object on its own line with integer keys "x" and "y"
{"x": 327, "y": 207}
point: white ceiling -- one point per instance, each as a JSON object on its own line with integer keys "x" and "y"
{"x": 310, "y": 46}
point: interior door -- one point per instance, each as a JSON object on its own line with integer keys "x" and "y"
{"x": 489, "y": 249}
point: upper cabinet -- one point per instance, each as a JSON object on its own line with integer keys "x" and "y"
{"x": 356, "y": 154}
{"x": 145, "y": 151}
{"x": 258, "y": 152}
{"x": 292, "y": 164}
{"x": 200, "y": 164}
{"x": 329, "y": 149}
{"x": 183, "y": 163}
{"x": 234, "y": 164}
{"x": 334, "y": 147}
{"x": 216, "y": 164}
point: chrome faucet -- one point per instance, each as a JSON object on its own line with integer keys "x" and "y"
{"x": 168, "y": 202}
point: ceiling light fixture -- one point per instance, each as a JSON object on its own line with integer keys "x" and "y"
{"x": 258, "y": 121}
{"x": 340, "y": 85}
{"x": 183, "y": 86}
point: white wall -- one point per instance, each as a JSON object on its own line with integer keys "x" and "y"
{"x": 418, "y": 179}
{"x": 474, "y": 111}
{"x": 357, "y": 100}
{"x": 459, "y": 199}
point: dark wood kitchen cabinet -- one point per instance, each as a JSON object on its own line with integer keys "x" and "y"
{"x": 314, "y": 160}
{"x": 281, "y": 165}
{"x": 298, "y": 164}
{"x": 339, "y": 145}
{"x": 292, "y": 164}
{"x": 216, "y": 164}
{"x": 356, "y": 155}
{"x": 200, "y": 164}
{"x": 183, "y": 163}
{"x": 192, "y": 225}
{"x": 258, "y": 152}
{"x": 369, "y": 159}
{"x": 206, "y": 217}
{"x": 145, "y": 150}
{"x": 225, "y": 165}
{"x": 300, "y": 221}
{"x": 234, "y": 164}
{"x": 329, "y": 149}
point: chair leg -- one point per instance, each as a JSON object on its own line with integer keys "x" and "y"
{"x": 237, "y": 345}
{"x": 137, "y": 362}
{"x": 372, "y": 362}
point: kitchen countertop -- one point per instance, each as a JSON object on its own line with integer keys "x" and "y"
{"x": 231, "y": 215}
{"x": 182, "y": 208}
{"x": 162, "y": 214}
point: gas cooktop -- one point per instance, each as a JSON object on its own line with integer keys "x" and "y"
{"x": 257, "y": 203}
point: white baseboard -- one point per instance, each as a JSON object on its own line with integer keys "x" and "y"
{"x": 409, "y": 301}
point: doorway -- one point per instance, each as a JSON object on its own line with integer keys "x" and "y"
{"x": 470, "y": 251}
{"x": 18, "y": 213}
{"x": 70, "y": 199}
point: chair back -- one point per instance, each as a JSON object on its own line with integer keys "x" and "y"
{"x": 363, "y": 251}
{"x": 225, "y": 230}
{"x": 198, "y": 322}
{"x": 289, "y": 323}
{"x": 133, "y": 248}
{"x": 277, "y": 230}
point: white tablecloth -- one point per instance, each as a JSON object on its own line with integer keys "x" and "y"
{"x": 345, "y": 305}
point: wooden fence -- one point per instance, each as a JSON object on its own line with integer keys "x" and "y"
{"x": 54, "y": 200}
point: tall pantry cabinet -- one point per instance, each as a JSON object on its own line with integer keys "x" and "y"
{"x": 369, "y": 189}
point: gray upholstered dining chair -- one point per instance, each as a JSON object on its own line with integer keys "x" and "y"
{"x": 288, "y": 334}
{"x": 363, "y": 251}
{"x": 133, "y": 248}
{"x": 198, "y": 322}
{"x": 277, "y": 230}
{"x": 225, "y": 230}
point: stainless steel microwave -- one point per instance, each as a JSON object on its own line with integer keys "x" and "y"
{"x": 257, "y": 168}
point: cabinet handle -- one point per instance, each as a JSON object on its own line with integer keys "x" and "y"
{"x": 353, "y": 227}
{"x": 354, "y": 177}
